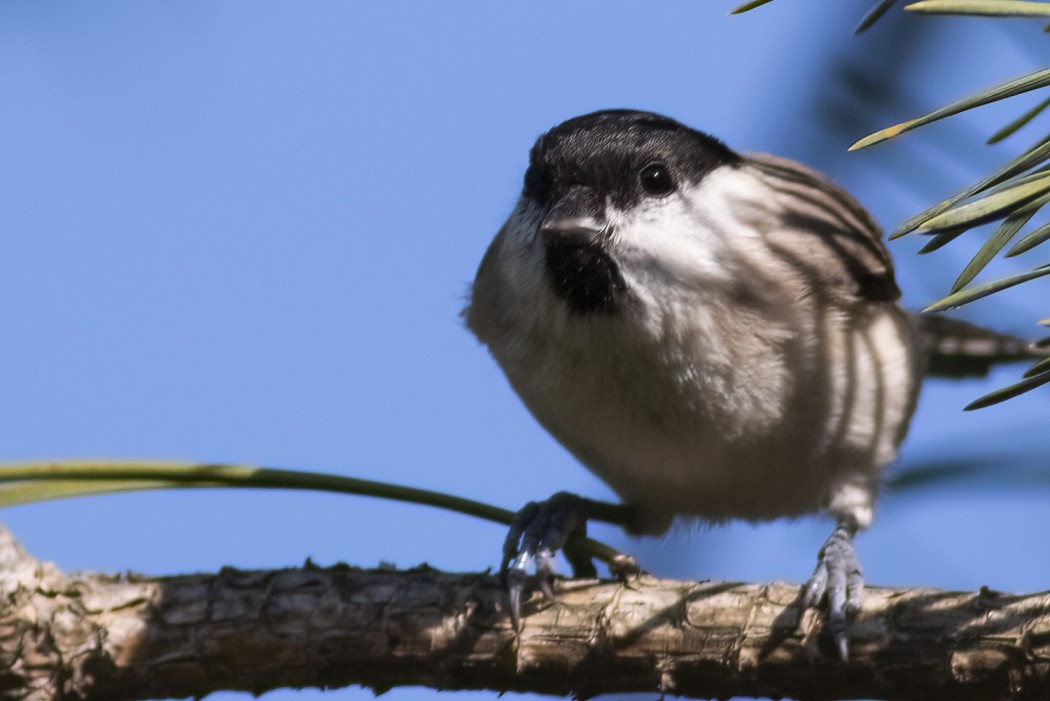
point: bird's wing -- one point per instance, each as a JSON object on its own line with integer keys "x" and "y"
{"x": 825, "y": 233}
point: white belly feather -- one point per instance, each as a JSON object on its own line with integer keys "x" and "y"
{"x": 680, "y": 422}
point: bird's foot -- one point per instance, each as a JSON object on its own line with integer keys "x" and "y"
{"x": 542, "y": 528}
{"x": 837, "y": 585}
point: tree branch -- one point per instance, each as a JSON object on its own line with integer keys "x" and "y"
{"x": 91, "y": 636}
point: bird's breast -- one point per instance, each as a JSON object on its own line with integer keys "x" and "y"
{"x": 691, "y": 419}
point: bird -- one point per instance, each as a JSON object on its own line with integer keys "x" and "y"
{"x": 716, "y": 335}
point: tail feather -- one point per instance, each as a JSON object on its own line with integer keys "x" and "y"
{"x": 955, "y": 348}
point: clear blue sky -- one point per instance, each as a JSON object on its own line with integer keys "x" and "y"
{"x": 243, "y": 231}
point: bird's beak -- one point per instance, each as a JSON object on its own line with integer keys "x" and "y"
{"x": 576, "y": 218}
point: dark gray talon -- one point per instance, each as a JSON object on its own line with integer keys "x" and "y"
{"x": 514, "y": 581}
{"x": 512, "y": 544}
{"x": 837, "y": 585}
{"x": 537, "y": 532}
{"x": 545, "y": 571}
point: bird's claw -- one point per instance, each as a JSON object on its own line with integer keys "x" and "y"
{"x": 514, "y": 581}
{"x": 537, "y": 532}
{"x": 837, "y": 585}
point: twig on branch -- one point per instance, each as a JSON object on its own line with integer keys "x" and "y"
{"x": 90, "y": 636}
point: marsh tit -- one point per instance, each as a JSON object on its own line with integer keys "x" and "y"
{"x": 715, "y": 335}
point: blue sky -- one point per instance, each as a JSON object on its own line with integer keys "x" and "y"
{"x": 243, "y": 231}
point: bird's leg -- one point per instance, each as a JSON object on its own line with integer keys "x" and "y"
{"x": 538, "y": 531}
{"x": 837, "y": 584}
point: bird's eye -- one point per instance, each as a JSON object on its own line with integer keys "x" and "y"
{"x": 656, "y": 179}
{"x": 537, "y": 183}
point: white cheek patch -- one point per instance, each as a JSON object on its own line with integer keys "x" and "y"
{"x": 687, "y": 238}
{"x": 521, "y": 257}
{"x": 724, "y": 204}
{"x": 523, "y": 225}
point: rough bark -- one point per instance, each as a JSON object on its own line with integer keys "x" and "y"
{"x": 91, "y": 636}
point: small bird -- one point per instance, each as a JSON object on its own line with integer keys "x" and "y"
{"x": 715, "y": 335}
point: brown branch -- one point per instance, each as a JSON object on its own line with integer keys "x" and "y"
{"x": 89, "y": 636}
